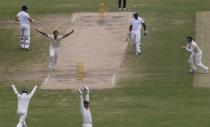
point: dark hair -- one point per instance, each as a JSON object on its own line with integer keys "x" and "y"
{"x": 24, "y": 8}
{"x": 24, "y": 91}
{"x": 55, "y": 31}
{"x": 189, "y": 39}
{"x": 86, "y": 102}
{"x": 136, "y": 15}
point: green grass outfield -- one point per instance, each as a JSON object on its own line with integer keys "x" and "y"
{"x": 154, "y": 90}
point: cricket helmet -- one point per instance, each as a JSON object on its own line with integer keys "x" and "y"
{"x": 24, "y": 7}
{"x": 24, "y": 91}
{"x": 189, "y": 39}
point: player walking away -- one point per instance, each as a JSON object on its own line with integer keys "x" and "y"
{"x": 54, "y": 45}
{"x": 24, "y": 19}
{"x": 119, "y": 5}
{"x": 84, "y": 107}
{"x": 135, "y": 29}
{"x": 196, "y": 56}
{"x": 23, "y": 102}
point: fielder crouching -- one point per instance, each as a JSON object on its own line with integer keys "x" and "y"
{"x": 84, "y": 107}
{"x": 23, "y": 103}
{"x": 196, "y": 56}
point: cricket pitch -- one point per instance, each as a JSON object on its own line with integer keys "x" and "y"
{"x": 98, "y": 43}
{"x": 203, "y": 39}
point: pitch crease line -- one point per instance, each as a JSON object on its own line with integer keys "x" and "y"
{"x": 46, "y": 79}
{"x": 113, "y": 79}
{"x": 74, "y": 17}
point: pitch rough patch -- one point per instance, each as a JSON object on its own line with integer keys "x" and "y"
{"x": 98, "y": 44}
{"x": 203, "y": 39}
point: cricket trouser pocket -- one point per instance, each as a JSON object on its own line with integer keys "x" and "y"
{"x": 87, "y": 125}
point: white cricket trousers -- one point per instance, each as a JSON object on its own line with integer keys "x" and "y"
{"x": 197, "y": 58}
{"x": 22, "y": 122}
{"x": 24, "y": 36}
{"x": 136, "y": 38}
{"x": 53, "y": 55}
{"x": 87, "y": 125}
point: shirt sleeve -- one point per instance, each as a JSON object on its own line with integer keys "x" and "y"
{"x": 33, "y": 91}
{"x": 81, "y": 104}
{"x": 141, "y": 20}
{"x": 131, "y": 21}
{"x": 14, "y": 89}
{"x": 50, "y": 36}
{"x": 60, "y": 38}
{"x": 18, "y": 14}
{"x": 27, "y": 15}
{"x": 188, "y": 48}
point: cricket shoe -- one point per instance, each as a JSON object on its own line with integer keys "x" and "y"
{"x": 124, "y": 9}
{"x": 50, "y": 66}
{"x": 119, "y": 9}
{"x": 138, "y": 53}
{"x": 192, "y": 70}
{"x": 26, "y": 49}
{"x": 206, "y": 71}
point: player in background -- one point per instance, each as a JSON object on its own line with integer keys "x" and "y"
{"x": 84, "y": 107}
{"x": 195, "y": 56}
{"x": 23, "y": 103}
{"x": 122, "y": 2}
{"x": 54, "y": 45}
{"x": 24, "y": 19}
{"x": 135, "y": 29}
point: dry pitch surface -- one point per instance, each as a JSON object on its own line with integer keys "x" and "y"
{"x": 98, "y": 43}
{"x": 203, "y": 39}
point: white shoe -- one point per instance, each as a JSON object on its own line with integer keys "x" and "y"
{"x": 124, "y": 9}
{"x": 192, "y": 70}
{"x": 206, "y": 71}
{"x": 50, "y": 66}
{"x": 119, "y": 9}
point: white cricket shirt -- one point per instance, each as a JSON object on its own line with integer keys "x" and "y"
{"x": 193, "y": 47}
{"x": 23, "y": 17}
{"x": 136, "y": 23}
{"x": 54, "y": 43}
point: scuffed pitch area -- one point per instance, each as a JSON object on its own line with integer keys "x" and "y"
{"x": 98, "y": 43}
{"x": 203, "y": 39}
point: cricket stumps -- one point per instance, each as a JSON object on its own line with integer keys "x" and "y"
{"x": 80, "y": 71}
{"x": 101, "y": 9}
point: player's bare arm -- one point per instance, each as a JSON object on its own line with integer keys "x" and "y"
{"x": 130, "y": 28}
{"x": 43, "y": 33}
{"x": 31, "y": 20}
{"x": 17, "y": 18}
{"x": 145, "y": 28}
{"x": 66, "y": 35}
